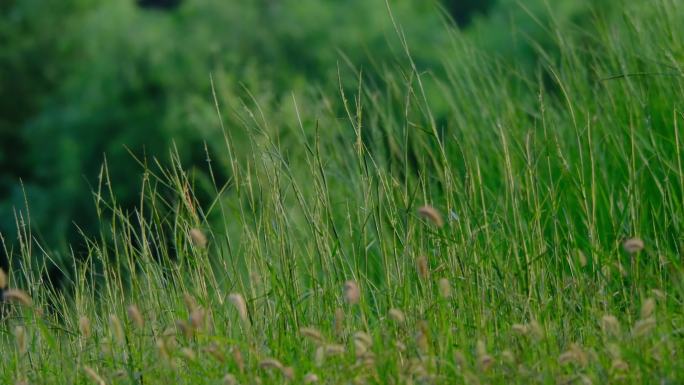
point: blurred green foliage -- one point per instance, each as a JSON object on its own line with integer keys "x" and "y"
{"x": 84, "y": 81}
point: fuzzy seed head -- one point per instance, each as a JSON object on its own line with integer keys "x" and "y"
{"x": 508, "y": 356}
{"x": 431, "y": 214}
{"x": 314, "y": 335}
{"x": 84, "y": 326}
{"x": 188, "y": 354}
{"x": 319, "y": 356}
{"x": 271, "y": 363}
{"x": 92, "y": 374}
{"x": 339, "y": 321}
{"x": 230, "y": 379}
{"x": 444, "y": 288}
{"x": 647, "y": 308}
{"x": 362, "y": 344}
{"x": 422, "y": 337}
{"x": 535, "y": 330}
{"x": 116, "y": 329}
{"x": 520, "y": 329}
{"x": 162, "y": 350}
{"x": 334, "y": 350}
{"x": 581, "y": 258}
{"x": 239, "y": 361}
{"x": 190, "y": 302}
{"x": 214, "y": 351}
{"x": 18, "y": 296}
{"x": 197, "y": 318}
{"x": 310, "y": 378}
{"x": 198, "y": 239}
{"x": 135, "y": 316}
{"x": 422, "y": 267}
{"x": 575, "y": 354}
{"x": 288, "y": 372}
{"x": 352, "y": 293}
{"x": 397, "y": 316}
{"x": 3, "y": 279}
{"x": 644, "y": 327}
{"x": 240, "y": 305}
{"x": 610, "y": 325}
{"x": 633, "y": 245}
{"x": 20, "y": 335}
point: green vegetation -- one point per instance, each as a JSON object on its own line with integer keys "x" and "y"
{"x": 473, "y": 215}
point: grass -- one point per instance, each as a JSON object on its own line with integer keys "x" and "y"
{"x": 527, "y": 229}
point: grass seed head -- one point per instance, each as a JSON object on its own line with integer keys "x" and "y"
{"x": 92, "y": 374}
{"x": 610, "y": 325}
{"x": 271, "y": 363}
{"x": 339, "y": 321}
{"x": 397, "y": 316}
{"x": 188, "y": 354}
{"x": 319, "y": 356}
{"x": 643, "y": 327}
{"x": 314, "y": 335}
{"x": 198, "y": 238}
{"x": 352, "y": 293}
{"x": 185, "y": 328}
{"x": 20, "y": 336}
{"x": 230, "y": 379}
{"x": 135, "y": 316}
{"x": 334, "y": 350}
{"x": 18, "y": 296}
{"x": 619, "y": 366}
{"x": 288, "y": 372}
{"x": 116, "y": 329}
{"x": 520, "y": 329}
{"x": 633, "y": 245}
{"x": 311, "y": 378}
{"x": 422, "y": 267}
{"x": 240, "y": 305}
{"x": 362, "y": 344}
{"x": 647, "y": 308}
{"x": 535, "y": 330}
{"x": 484, "y": 360}
{"x": 582, "y": 258}
{"x": 84, "y": 326}
{"x": 3, "y": 279}
{"x": 162, "y": 350}
{"x": 444, "y": 288}
{"x": 431, "y": 214}
{"x": 238, "y": 359}
{"x": 198, "y": 318}
{"x": 190, "y": 302}
{"x": 575, "y": 354}
{"x": 214, "y": 351}
{"x": 422, "y": 341}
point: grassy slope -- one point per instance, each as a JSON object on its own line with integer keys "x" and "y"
{"x": 539, "y": 176}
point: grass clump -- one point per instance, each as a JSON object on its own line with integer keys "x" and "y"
{"x": 527, "y": 233}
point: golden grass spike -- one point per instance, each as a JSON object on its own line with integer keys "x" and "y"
{"x": 17, "y": 295}
{"x": 135, "y": 316}
{"x": 92, "y": 374}
{"x": 352, "y": 293}
{"x": 633, "y": 245}
{"x": 431, "y": 214}
{"x": 84, "y": 326}
{"x": 198, "y": 238}
{"x": 240, "y": 305}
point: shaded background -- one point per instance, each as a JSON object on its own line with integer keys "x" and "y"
{"x": 83, "y": 82}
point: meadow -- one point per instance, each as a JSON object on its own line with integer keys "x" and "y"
{"x": 479, "y": 221}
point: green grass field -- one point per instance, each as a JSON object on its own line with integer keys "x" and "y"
{"x": 480, "y": 223}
